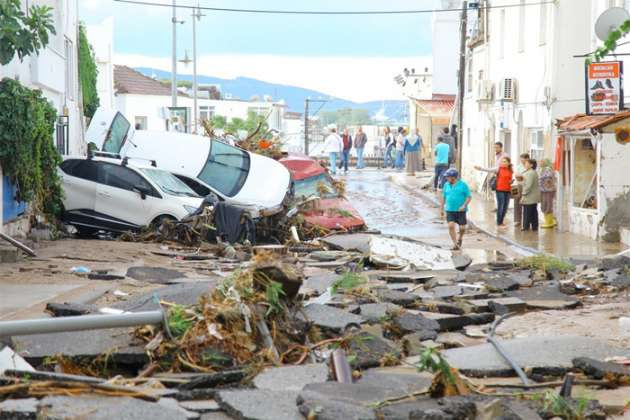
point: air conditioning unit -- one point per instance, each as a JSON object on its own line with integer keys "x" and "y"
{"x": 507, "y": 90}
{"x": 485, "y": 91}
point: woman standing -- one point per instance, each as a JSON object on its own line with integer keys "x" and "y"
{"x": 502, "y": 187}
{"x": 413, "y": 144}
{"x": 518, "y": 207}
{"x": 530, "y": 196}
{"x": 400, "y": 148}
{"x": 547, "y": 183}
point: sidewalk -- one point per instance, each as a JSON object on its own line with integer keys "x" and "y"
{"x": 481, "y": 215}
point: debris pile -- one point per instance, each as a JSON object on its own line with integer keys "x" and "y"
{"x": 350, "y": 326}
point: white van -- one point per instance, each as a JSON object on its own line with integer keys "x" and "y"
{"x": 247, "y": 180}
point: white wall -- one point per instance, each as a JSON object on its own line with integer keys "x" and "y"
{"x": 101, "y": 37}
{"x": 445, "y": 42}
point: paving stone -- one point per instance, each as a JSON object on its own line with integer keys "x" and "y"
{"x": 329, "y": 317}
{"x": 512, "y": 304}
{"x": 621, "y": 282}
{"x": 260, "y": 404}
{"x": 105, "y": 408}
{"x": 416, "y": 277}
{"x": 399, "y": 298}
{"x": 212, "y": 380}
{"x": 523, "y": 278}
{"x": 600, "y": 370}
{"x": 158, "y": 275}
{"x": 220, "y": 415}
{"x": 68, "y": 309}
{"x": 413, "y": 344}
{"x": 359, "y": 242}
{"x": 200, "y": 406}
{"x": 449, "y": 322}
{"x": 440, "y": 306}
{"x": 328, "y": 255}
{"x": 320, "y": 282}
{"x": 545, "y": 296}
{"x": 445, "y": 292}
{"x": 368, "y": 350}
{"x": 173, "y": 404}
{"x": 430, "y": 408}
{"x": 414, "y": 323}
{"x": 292, "y": 378}
{"x": 375, "y": 312}
{"x": 537, "y": 353}
{"x": 19, "y": 409}
{"x": 455, "y": 339}
{"x": 501, "y": 284}
{"x": 404, "y": 379}
{"x": 612, "y": 263}
{"x": 182, "y": 294}
{"x": 461, "y": 261}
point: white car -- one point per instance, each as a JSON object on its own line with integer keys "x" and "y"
{"x": 247, "y": 180}
{"x": 121, "y": 194}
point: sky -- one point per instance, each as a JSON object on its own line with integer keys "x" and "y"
{"x": 350, "y": 56}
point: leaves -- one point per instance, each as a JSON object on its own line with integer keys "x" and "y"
{"x": 610, "y": 45}
{"x": 23, "y": 34}
{"x": 88, "y": 74}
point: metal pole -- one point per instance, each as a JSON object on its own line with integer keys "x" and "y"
{"x": 194, "y": 25}
{"x": 460, "y": 83}
{"x": 79, "y": 323}
{"x": 174, "y": 58}
{"x": 306, "y": 127}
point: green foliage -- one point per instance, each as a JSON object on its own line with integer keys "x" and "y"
{"x": 219, "y": 121}
{"x": 179, "y": 321}
{"x": 348, "y": 281}
{"x": 561, "y": 407}
{"x": 21, "y": 33}
{"x": 273, "y": 293}
{"x": 610, "y": 45}
{"x": 88, "y": 74}
{"x": 545, "y": 262}
{"x": 346, "y": 116}
{"x": 432, "y": 361}
{"x": 27, "y": 153}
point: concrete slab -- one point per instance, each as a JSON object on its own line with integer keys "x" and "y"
{"x": 448, "y": 322}
{"x": 401, "y": 253}
{"x": 159, "y": 275}
{"x": 404, "y": 379}
{"x": 291, "y": 378}
{"x": 19, "y": 409}
{"x": 105, "y": 408}
{"x": 260, "y": 404}
{"x": 359, "y": 242}
{"x": 319, "y": 283}
{"x": 375, "y": 312}
{"x": 539, "y": 353}
{"x": 19, "y": 296}
{"x": 513, "y": 304}
{"x": 330, "y": 317}
{"x": 183, "y": 294}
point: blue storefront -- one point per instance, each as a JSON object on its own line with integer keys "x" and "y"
{"x": 11, "y": 209}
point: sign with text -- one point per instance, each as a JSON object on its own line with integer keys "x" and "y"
{"x": 604, "y": 87}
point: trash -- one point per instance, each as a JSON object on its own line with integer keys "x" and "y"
{"x": 18, "y": 245}
{"x": 80, "y": 270}
{"x": 294, "y": 235}
{"x": 340, "y": 366}
{"x": 119, "y": 293}
{"x": 9, "y": 360}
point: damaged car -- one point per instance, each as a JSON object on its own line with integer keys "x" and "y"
{"x": 118, "y": 195}
{"x": 331, "y": 211}
{"x": 247, "y": 180}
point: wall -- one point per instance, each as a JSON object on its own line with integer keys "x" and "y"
{"x": 101, "y": 38}
{"x": 614, "y": 190}
{"x": 445, "y": 41}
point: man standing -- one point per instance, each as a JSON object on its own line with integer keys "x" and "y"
{"x": 455, "y": 199}
{"x": 359, "y": 143}
{"x": 448, "y": 139}
{"x": 499, "y": 154}
{"x": 441, "y": 162}
{"x": 389, "y": 147}
{"x": 333, "y": 146}
{"x": 345, "y": 153}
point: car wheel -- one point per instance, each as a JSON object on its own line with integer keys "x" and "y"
{"x": 85, "y": 232}
{"x": 156, "y": 224}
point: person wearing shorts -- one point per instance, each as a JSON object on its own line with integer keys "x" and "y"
{"x": 455, "y": 199}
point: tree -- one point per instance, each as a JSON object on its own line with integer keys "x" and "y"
{"x": 219, "y": 121}
{"x": 88, "y": 74}
{"x": 346, "y": 116}
{"x": 21, "y": 33}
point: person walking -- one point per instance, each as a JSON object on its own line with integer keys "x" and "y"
{"x": 413, "y": 145}
{"x": 346, "y": 138}
{"x": 333, "y": 146}
{"x": 547, "y": 183}
{"x": 441, "y": 162}
{"x": 454, "y": 201}
{"x": 518, "y": 207}
{"x": 360, "y": 140}
{"x": 530, "y": 196}
{"x": 448, "y": 139}
{"x": 389, "y": 148}
{"x": 400, "y": 148}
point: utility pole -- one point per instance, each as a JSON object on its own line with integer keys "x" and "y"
{"x": 306, "y": 127}
{"x": 195, "y": 17}
{"x": 461, "y": 80}
{"x": 174, "y": 58}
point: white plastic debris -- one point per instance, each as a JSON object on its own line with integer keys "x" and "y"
{"x": 11, "y": 360}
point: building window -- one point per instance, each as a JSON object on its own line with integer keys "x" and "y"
{"x": 502, "y": 32}
{"x": 469, "y": 75}
{"x": 468, "y": 142}
{"x": 543, "y": 24}
{"x": 206, "y": 113}
{"x": 62, "y": 134}
{"x": 69, "y": 52}
{"x": 537, "y": 144}
{"x": 521, "y": 26}
{"x": 585, "y": 170}
{"x": 141, "y": 123}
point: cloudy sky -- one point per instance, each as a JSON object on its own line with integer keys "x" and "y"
{"x": 350, "y": 56}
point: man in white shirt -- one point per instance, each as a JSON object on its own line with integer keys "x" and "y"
{"x": 333, "y": 146}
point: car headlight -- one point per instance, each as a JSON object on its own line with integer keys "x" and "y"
{"x": 190, "y": 209}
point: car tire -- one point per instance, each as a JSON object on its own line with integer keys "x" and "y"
{"x": 85, "y": 232}
{"x": 156, "y": 224}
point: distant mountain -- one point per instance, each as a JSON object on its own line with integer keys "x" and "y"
{"x": 245, "y": 88}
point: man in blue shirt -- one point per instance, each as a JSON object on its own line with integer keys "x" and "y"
{"x": 454, "y": 201}
{"x": 441, "y": 162}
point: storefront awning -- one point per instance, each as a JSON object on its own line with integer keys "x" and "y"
{"x": 581, "y": 122}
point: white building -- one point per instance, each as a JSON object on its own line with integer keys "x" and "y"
{"x": 54, "y": 71}
{"x": 101, "y": 38}
{"x": 146, "y": 103}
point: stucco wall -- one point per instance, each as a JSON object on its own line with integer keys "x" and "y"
{"x": 614, "y": 188}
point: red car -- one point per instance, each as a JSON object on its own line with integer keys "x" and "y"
{"x": 332, "y": 211}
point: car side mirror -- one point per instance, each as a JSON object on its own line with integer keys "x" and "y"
{"x": 142, "y": 190}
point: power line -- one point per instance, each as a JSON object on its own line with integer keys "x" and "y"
{"x": 325, "y": 12}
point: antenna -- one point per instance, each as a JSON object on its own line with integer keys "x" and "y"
{"x": 609, "y": 21}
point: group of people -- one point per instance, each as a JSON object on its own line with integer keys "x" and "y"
{"x": 340, "y": 146}
{"x": 408, "y": 150}
{"x": 526, "y": 184}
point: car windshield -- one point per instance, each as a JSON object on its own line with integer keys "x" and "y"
{"x": 168, "y": 183}
{"x": 318, "y": 185}
{"x": 117, "y": 134}
{"x": 226, "y": 169}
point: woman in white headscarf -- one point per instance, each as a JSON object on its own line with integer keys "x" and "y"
{"x": 413, "y": 144}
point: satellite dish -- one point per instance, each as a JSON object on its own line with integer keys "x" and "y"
{"x": 610, "y": 20}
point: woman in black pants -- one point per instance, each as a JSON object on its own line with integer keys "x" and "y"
{"x": 531, "y": 196}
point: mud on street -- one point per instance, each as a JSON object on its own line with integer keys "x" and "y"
{"x": 366, "y": 325}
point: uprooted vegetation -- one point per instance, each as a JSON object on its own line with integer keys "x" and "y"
{"x": 545, "y": 262}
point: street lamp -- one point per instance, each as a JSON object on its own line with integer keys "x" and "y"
{"x": 197, "y": 15}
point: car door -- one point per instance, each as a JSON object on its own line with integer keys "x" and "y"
{"x": 79, "y": 184}
{"x": 116, "y": 198}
